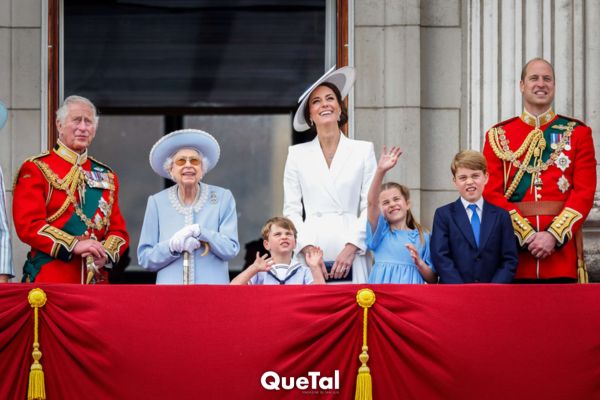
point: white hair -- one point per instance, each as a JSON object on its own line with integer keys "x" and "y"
{"x": 168, "y": 164}
{"x": 63, "y": 111}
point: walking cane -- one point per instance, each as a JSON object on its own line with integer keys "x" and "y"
{"x": 188, "y": 277}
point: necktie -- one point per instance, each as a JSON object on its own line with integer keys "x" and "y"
{"x": 475, "y": 222}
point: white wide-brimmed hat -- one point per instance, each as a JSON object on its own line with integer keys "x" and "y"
{"x": 168, "y": 145}
{"x": 342, "y": 78}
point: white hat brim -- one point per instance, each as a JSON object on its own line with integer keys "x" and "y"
{"x": 342, "y": 78}
{"x": 168, "y": 145}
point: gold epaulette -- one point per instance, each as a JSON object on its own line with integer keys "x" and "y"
{"x": 43, "y": 154}
{"x": 101, "y": 163}
{"x": 579, "y": 122}
{"x": 521, "y": 226}
{"x": 16, "y": 177}
{"x": 562, "y": 224}
{"x": 506, "y": 121}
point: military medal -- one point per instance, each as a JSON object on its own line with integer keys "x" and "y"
{"x": 555, "y": 138}
{"x": 103, "y": 206}
{"x": 538, "y": 182}
{"x": 563, "y": 161}
{"x": 563, "y": 184}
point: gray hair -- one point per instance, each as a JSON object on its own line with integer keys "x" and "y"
{"x": 63, "y": 111}
{"x": 168, "y": 164}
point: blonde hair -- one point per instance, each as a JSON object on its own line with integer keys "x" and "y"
{"x": 469, "y": 159}
{"x": 411, "y": 222}
{"x": 281, "y": 222}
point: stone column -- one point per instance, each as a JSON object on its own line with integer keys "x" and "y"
{"x": 388, "y": 87}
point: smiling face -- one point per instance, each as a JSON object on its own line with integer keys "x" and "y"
{"x": 187, "y": 167}
{"x": 78, "y": 128}
{"x": 323, "y": 106}
{"x": 537, "y": 87}
{"x": 394, "y": 207}
{"x": 470, "y": 183}
{"x": 280, "y": 242}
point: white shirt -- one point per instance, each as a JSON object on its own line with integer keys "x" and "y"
{"x": 478, "y": 203}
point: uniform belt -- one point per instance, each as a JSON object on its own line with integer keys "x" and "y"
{"x": 533, "y": 208}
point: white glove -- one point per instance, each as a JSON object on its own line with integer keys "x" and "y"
{"x": 191, "y": 244}
{"x": 177, "y": 242}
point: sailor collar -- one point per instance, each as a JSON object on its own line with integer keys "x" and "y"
{"x": 69, "y": 155}
{"x": 540, "y": 120}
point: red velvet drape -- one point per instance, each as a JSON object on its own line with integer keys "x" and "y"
{"x": 215, "y": 342}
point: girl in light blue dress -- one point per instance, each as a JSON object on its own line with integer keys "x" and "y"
{"x": 398, "y": 242}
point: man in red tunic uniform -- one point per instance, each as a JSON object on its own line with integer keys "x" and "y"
{"x": 543, "y": 172}
{"x": 65, "y": 205}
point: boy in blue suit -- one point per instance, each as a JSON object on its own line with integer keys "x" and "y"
{"x": 472, "y": 240}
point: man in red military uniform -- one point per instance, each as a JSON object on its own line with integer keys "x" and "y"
{"x": 543, "y": 172}
{"x": 65, "y": 205}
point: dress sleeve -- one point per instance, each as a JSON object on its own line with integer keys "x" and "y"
{"x": 426, "y": 252}
{"x": 224, "y": 241}
{"x": 292, "y": 201}
{"x": 358, "y": 236}
{"x": 308, "y": 276}
{"x": 152, "y": 254}
{"x": 374, "y": 238}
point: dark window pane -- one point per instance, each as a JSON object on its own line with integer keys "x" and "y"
{"x": 193, "y": 54}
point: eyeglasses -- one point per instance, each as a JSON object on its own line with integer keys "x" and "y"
{"x": 195, "y": 161}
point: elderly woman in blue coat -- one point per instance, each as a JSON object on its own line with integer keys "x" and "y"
{"x": 190, "y": 229}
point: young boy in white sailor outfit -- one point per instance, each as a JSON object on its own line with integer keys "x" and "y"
{"x": 279, "y": 238}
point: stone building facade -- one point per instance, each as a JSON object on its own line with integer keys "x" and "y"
{"x": 433, "y": 75}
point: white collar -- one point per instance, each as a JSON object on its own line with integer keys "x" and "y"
{"x": 478, "y": 203}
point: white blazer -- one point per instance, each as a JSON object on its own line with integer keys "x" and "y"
{"x": 335, "y": 199}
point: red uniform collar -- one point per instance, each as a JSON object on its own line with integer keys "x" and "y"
{"x": 69, "y": 155}
{"x": 537, "y": 121}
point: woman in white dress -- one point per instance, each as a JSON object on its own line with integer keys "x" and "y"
{"x": 329, "y": 178}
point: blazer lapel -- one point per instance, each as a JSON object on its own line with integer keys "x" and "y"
{"x": 323, "y": 173}
{"x": 342, "y": 155}
{"x": 462, "y": 221}
{"x": 489, "y": 215}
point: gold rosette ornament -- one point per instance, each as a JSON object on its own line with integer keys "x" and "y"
{"x": 36, "y": 390}
{"x": 364, "y": 386}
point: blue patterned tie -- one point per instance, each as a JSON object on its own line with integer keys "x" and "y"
{"x": 475, "y": 222}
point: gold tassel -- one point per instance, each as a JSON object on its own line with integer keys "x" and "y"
{"x": 364, "y": 385}
{"x": 37, "y": 388}
{"x": 582, "y": 274}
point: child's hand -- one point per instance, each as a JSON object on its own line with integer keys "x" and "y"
{"x": 388, "y": 159}
{"x": 262, "y": 263}
{"x": 414, "y": 254}
{"x": 314, "y": 257}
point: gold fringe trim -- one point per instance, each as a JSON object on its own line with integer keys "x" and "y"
{"x": 37, "y": 388}
{"x": 582, "y": 274}
{"x": 364, "y": 385}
